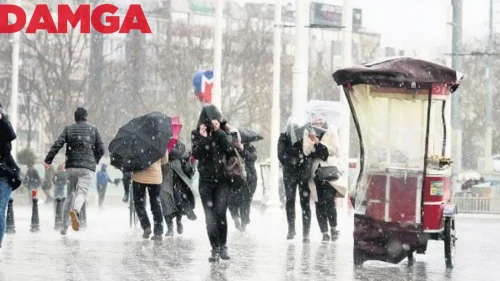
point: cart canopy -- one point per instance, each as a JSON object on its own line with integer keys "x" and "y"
{"x": 403, "y": 72}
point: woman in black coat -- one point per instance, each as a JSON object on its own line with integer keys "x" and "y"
{"x": 9, "y": 171}
{"x": 241, "y": 198}
{"x": 211, "y": 146}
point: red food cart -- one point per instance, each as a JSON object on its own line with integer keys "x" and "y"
{"x": 403, "y": 192}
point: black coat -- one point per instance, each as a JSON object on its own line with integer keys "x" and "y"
{"x": 249, "y": 155}
{"x": 8, "y": 167}
{"x": 211, "y": 151}
{"x": 290, "y": 156}
{"x": 84, "y": 146}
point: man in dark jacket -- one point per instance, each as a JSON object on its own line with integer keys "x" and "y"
{"x": 84, "y": 149}
{"x": 9, "y": 171}
{"x": 291, "y": 158}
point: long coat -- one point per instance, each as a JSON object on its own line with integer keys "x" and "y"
{"x": 330, "y": 141}
{"x": 176, "y": 193}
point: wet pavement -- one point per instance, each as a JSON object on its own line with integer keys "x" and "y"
{"x": 110, "y": 250}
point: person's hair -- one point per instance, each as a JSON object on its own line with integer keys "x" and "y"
{"x": 81, "y": 114}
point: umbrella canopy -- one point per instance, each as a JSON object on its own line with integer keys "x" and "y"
{"x": 328, "y": 113}
{"x": 405, "y": 72}
{"x": 248, "y": 136}
{"x": 143, "y": 141}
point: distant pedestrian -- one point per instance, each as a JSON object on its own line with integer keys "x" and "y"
{"x": 84, "y": 150}
{"x": 47, "y": 184}
{"x": 102, "y": 183}
{"x": 32, "y": 179}
{"x": 60, "y": 181}
{"x": 10, "y": 178}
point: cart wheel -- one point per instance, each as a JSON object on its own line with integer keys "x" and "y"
{"x": 449, "y": 242}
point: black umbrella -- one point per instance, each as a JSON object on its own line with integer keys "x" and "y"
{"x": 141, "y": 142}
{"x": 248, "y": 136}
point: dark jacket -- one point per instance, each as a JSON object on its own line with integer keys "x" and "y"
{"x": 290, "y": 156}
{"x": 176, "y": 194}
{"x": 84, "y": 146}
{"x": 211, "y": 151}
{"x": 32, "y": 179}
{"x": 8, "y": 167}
{"x": 249, "y": 155}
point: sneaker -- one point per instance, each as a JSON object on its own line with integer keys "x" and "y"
{"x": 224, "y": 254}
{"x": 215, "y": 256}
{"x": 75, "y": 219}
{"x": 156, "y": 238}
{"x": 243, "y": 228}
{"x": 326, "y": 238}
{"x": 146, "y": 233}
{"x": 63, "y": 232}
{"x": 291, "y": 235}
{"x": 125, "y": 198}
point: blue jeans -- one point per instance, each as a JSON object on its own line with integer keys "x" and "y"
{"x": 59, "y": 191}
{"x": 5, "y": 191}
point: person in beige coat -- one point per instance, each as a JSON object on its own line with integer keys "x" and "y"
{"x": 321, "y": 143}
{"x": 149, "y": 179}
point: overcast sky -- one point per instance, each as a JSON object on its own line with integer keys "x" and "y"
{"x": 418, "y": 24}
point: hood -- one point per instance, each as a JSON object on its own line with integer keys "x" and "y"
{"x": 209, "y": 113}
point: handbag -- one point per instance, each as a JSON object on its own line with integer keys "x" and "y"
{"x": 234, "y": 168}
{"x": 329, "y": 173}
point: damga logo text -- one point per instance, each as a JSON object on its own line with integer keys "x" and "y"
{"x": 102, "y": 18}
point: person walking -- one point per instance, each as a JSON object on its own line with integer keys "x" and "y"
{"x": 10, "y": 178}
{"x": 84, "y": 150}
{"x": 102, "y": 183}
{"x": 211, "y": 146}
{"x": 32, "y": 179}
{"x": 177, "y": 199}
{"x": 321, "y": 144}
{"x": 293, "y": 161}
{"x": 47, "y": 184}
{"x": 60, "y": 181}
{"x": 241, "y": 198}
{"x": 149, "y": 179}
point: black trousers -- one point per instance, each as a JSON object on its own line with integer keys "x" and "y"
{"x": 240, "y": 202}
{"x": 291, "y": 184}
{"x": 169, "y": 219}
{"x": 325, "y": 207}
{"x": 139, "y": 190}
{"x": 214, "y": 198}
{"x": 126, "y": 185}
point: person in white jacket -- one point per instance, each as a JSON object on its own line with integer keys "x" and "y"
{"x": 321, "y": 143}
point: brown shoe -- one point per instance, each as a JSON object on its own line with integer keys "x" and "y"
{"x": 75, "y": 220}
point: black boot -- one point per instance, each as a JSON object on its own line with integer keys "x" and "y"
{"x": 224, "y": 253}
{"x": 335, "y": 234}
{"x": 215, "y": 256}
{"x": 180, "y": 227}
{"x": 326, "y": 237}
{"x": 146, "y": 233}
{"x": 291, "y": 234}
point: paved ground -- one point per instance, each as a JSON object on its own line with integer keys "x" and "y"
{"x": 110, "y": 250}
